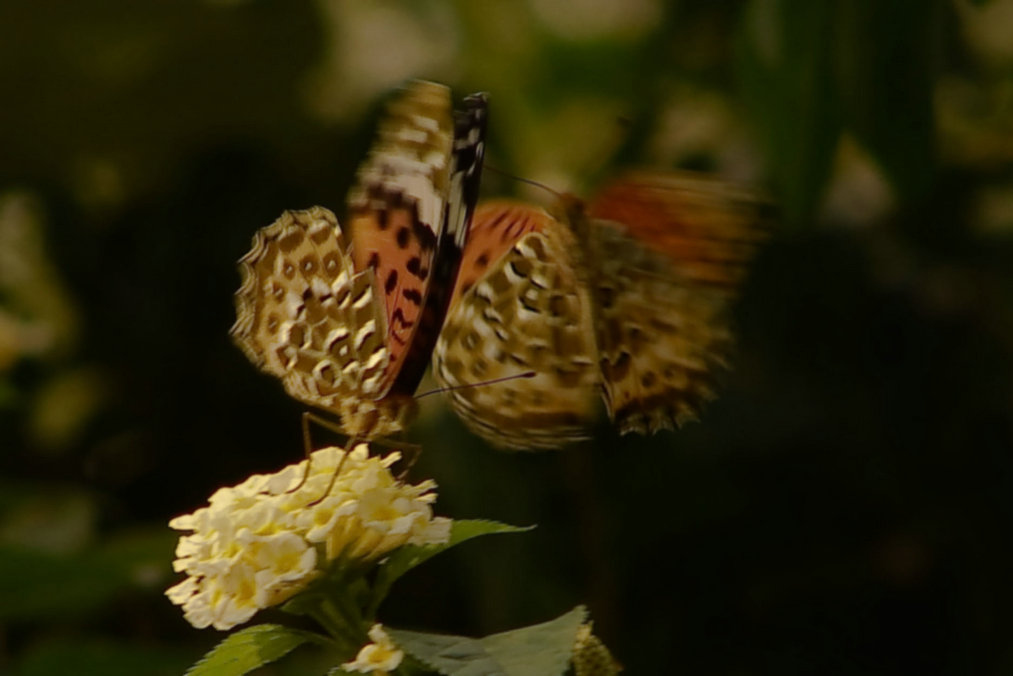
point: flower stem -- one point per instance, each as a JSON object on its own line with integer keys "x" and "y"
{"x": 336, "y": 611}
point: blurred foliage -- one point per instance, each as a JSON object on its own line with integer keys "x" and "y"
{"x": 844, "y": 507}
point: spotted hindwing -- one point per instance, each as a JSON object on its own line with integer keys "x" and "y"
{"x": 627, "y": 298}
{"x": 306, "y": 316}
{"x": 520, "y": 306}
{"x": 670, "y": 251}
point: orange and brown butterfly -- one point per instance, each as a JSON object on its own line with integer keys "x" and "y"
{"x": 347, "y": 316}
{"x": 625, "y": 299}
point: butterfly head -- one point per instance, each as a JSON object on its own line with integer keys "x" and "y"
{"x": 367, "y": 419}
{"x": 572, "y": 210}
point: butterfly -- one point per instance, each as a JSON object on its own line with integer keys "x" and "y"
{"x": 347, "y": 317}
{"x": 625, "y": 298}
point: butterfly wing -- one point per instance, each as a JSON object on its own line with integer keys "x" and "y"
{"x": 630, "y": 301}
{"x": 709, "y": 229}
{"x": 519, "y": 306}
{"x": 333, "y": 313}
{"x": 465, "y": 175}
{"x": 397, "y": 210}
{"x": 469, "y": 153}
{"x": 306, "y": 316}
{"x": 667, "y": 253}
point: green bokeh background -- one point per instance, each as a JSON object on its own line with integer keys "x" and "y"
{"x": 845, "y": 507}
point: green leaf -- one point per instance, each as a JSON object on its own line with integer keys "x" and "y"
{"x": 250, "y": 648}
{"x": 450, "y": 655}
{"x": 410, "y": 556}
{"x": 786, "y": 75}
{"x": 885, "y": 73}
{"x": 539, "y": 650}
{"x": 811, "y": 70}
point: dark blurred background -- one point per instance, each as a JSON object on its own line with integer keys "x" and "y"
{"x": 845, "y": 506}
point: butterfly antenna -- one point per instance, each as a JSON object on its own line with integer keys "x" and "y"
{"x": 438, "y": 390}
{"x": 557, "y": 195}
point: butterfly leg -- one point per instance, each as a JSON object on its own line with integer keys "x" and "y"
{"x": 413, "y": 452}
{"x": 307, "y": 418}
{"x": 307, "y": 443}
{"x": 352, "y": 441}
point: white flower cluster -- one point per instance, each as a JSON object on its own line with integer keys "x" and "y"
{"x": 259, "y": 543}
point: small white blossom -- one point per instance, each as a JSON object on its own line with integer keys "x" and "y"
{"x": 260, "y": 542}
{"x": 377, "y": 658}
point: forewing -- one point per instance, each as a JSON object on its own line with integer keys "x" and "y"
{"x": 667, "y": 254}
{"x": 520, "y": 306}
{"x": 709, "y": 229}
{"x": 469, "y": 150}
{"x": 306, "y": 316}
{"x": 466, "y": 176}
{"x": 398, "y": 207}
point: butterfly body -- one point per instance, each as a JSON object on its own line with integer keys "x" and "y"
{"x": 346, "y": 317}
{"x": 623, "y": 299}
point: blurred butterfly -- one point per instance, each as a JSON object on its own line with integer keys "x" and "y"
{"x": 626, "y": 297}
{"x": 347, "y": 317}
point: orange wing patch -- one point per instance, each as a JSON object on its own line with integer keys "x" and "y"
{"x": 398, "y": 209}
{"x": 496, "y": 227}
{"x": 400, "y": 250}
{"x": 706, "y": 227}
